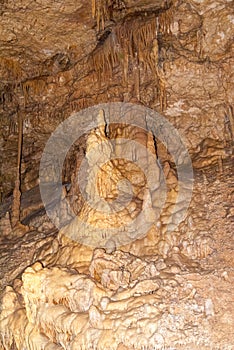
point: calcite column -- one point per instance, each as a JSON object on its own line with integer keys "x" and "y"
{"x": 121, "y": 174}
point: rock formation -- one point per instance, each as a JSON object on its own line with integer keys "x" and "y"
{"x": 135, "y": 264}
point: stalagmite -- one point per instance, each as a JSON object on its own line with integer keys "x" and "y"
{"x": 107, "y": 187}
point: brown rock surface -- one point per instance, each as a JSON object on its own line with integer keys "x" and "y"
{"x": 171, "y": 287}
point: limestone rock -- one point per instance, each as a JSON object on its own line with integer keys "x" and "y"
{"x": 168, "y": 282}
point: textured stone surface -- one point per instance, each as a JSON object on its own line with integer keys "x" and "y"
{"x": 172, "y": 288}
{"x": 195, "y": 68}
{"x": 177, "y": 298}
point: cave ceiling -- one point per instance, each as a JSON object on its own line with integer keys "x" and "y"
{"x": 47, "y": 38}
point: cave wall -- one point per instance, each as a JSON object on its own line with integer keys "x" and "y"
{"x": 55, "y": 60}
{"x": 171, "y": 288}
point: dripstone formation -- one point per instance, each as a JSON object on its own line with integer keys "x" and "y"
{"x": 131, "y": 248}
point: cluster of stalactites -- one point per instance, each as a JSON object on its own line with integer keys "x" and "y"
{"x": 102, "y": 11}
{"x": 133, "y": 46}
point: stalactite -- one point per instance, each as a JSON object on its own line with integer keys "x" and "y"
{"x": 12, "y": 126}
{"x": 32, "y": 87}
{"x": 128, "y": 41}
{"x": 162, "y": 93}
{"x": 11, "y": 67}
{"x": 125, "y": 67}
{"x": 142, "y": 38}
{"x": 165, "y": 21}
{"x": 101, "y": 12}
{"x": 105, "y": 58}
{"x": 132, "y": 44}
{"x": 154, "y": 53}
{"x": 15, "y": 210}
{"x": 229, "y": 120}
{"x": 137, "y": 82}
{"x": 16, "y": 202}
